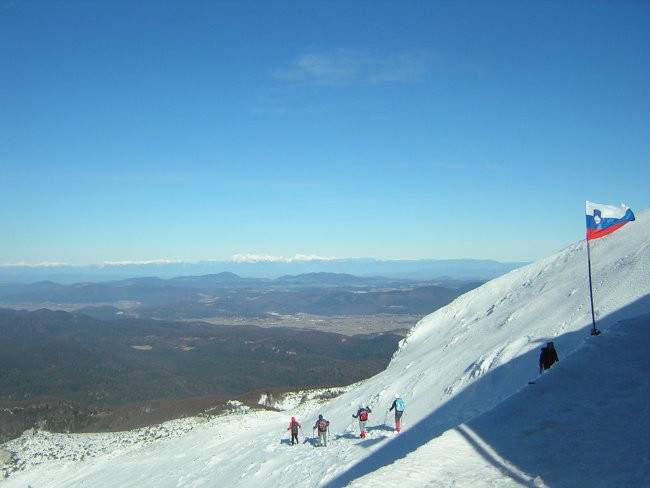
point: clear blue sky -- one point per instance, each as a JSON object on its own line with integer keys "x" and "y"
{"x": 143, "y": 130}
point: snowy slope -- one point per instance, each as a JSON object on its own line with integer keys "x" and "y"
{"x": 472, "y": 417}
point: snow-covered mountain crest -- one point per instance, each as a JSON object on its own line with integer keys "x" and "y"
{"x": 460, "y": 370}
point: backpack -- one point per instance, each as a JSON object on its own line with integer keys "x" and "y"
{"x": 363, "y": 415}
{"x": 294, "y": 428}
{"x": 322, "y": 425}
{"x": 399, "y": 405}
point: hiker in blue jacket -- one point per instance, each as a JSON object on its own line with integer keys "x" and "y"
{"x": 362, "y": 415}
{"x": 398, "y": 405}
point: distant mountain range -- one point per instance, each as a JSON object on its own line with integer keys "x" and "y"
{"x": 229, "y": 295}
{"x": 421, "y": 269}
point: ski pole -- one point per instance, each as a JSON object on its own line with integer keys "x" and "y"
{"x": 386, "y": 416}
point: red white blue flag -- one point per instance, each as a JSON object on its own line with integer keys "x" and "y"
{"x": 605, "y": 219}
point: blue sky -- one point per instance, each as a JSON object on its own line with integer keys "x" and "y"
{"x": 136, "y": 131}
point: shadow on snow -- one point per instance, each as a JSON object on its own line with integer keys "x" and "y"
{"x": 479, "y": 397}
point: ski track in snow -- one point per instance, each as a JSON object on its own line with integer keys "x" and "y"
{"x": 472, "y": 418}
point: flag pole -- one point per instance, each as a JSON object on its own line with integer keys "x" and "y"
{"x": 602, "y": 220}
{"x": 594, "y": 331}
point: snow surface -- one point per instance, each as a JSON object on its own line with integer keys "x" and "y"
{"x": 478, "y": 414}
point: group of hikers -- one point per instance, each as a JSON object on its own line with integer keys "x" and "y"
{"x": 547, "y": 358}
{"x": 322, "y": 425}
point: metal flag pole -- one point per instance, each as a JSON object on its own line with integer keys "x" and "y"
{"x": 594, "y": 331}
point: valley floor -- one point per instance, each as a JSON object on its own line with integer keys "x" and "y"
{"x": 339, "y": 324}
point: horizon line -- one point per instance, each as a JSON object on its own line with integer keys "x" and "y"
{"x": 235, "y": 259}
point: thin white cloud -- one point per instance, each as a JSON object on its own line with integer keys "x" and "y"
{"x": 349, "y": 67}
{"x": 407, "y": 67}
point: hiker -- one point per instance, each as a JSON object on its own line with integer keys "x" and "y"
{"x": 547, "y": 357}
{"x": 398, "y": 405}
{"x": 294, "y": 425}
{"x": 323, "y": 428}
{"x": 362, "y": 415}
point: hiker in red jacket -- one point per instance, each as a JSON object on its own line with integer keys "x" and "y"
{"x": 294, "y": 425}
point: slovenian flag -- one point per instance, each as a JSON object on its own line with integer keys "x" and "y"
{"x": 605, "y": 219}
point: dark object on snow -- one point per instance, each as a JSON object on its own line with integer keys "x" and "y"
{"x": 548, "y": 357}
